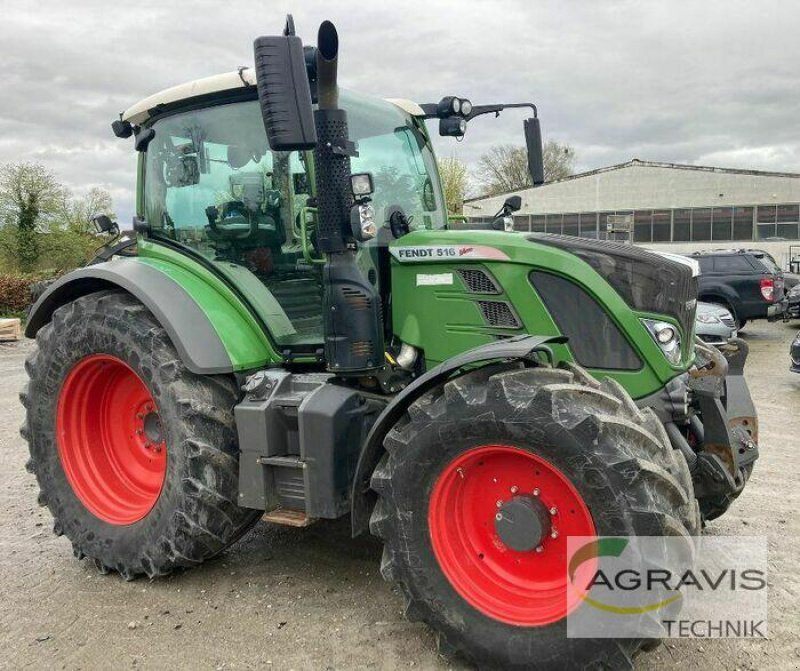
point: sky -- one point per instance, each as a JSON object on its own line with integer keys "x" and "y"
{"x": 706, "y": 83}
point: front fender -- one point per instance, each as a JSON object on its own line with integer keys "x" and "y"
{"x": 209, "y": 332}
{"x": 509, "y": 349}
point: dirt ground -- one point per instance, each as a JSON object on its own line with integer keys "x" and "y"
{"x": 313, "y": 598}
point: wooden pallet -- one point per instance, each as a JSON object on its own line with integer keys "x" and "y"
{"x": 10, "y": 329}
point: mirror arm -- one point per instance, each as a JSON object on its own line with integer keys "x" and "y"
{"x": 478, "y": 110}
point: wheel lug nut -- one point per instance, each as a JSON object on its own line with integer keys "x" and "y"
{"x": 499, "y": 503}
{"x": 554, "y": 533}
{"x": 536, "y": 492}
{"x": 514, "y": 489}
{"x": 539, "y": 548}
{"x": 553, "y": 510}
{"x": 139, "y": 432}
{"x": 499, "y": 517}
{"x": 147, "y": 446}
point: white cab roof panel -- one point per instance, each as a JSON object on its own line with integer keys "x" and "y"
{"x": 228, "y": 81}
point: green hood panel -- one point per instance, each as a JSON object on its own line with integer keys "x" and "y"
{"x": 433, "y": 309}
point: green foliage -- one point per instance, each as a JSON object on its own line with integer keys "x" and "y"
{"x": 29, "y": 197}
{"x": 65, "y": 250}
{"x": 77, "y": 213}
{"x": 43, "y": 227}
{"x": 453, "y": 174}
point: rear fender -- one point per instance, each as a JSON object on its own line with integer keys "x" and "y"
{"x": 210, "y": 331}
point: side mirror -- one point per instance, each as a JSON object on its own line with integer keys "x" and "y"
{"x": 283, "y": 91}
{"x": 103, "y": 224}
{"x": 533, "y": 141}
{"x": 512, "y": 204}
{"x": 503, "y": 224}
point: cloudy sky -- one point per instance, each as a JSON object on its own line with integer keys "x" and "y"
{"x": 709, "y": 83}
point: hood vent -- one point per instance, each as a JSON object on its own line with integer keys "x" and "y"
{"x": 478, "y": 281}
{"x": 499, "y": 314}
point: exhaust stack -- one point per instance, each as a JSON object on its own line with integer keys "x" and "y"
{"x": 353, "y": 327}
{"x": 351, "y": 305}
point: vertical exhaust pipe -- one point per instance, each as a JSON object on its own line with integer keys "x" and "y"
{"x": 331, "y": 155}
{"x": 327, "y": 66}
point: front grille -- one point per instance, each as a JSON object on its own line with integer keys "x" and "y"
{"x": 499, "y": 314}
{"x": 478, "y": 281}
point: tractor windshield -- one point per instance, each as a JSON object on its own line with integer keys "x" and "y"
{"x": 211, "y": 183}
{"x": 203, "y": 159}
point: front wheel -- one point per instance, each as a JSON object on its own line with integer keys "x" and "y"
{"x": 481, "y": 484}
{"x": 135, "y": 456}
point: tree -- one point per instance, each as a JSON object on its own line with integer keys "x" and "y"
{"x": 454, "y": 182}
{"x": 29, "y": 194}
{"x": 77, "y": 213}
{"x": 504, "y": 168}
{"x": 559, "y": 160}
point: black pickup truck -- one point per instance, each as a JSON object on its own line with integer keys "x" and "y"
{"x": 746, "y": 281}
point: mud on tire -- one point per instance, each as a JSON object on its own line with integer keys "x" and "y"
{"x": 617, "y": 457}
{"x": 195, "y": 515}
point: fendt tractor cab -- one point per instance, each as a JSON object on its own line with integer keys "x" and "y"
{"x": 293, "y": 332}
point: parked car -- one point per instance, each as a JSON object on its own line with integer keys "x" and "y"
{"x": 793, "y": 302}
{"x": 747, "y": 282}
{"x": 794, "y": 352}
{"x": 715, "y": 324}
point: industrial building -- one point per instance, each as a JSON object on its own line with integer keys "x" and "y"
{"x": 676, "y": 207}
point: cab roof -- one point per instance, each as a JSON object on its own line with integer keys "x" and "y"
{"x": 228, "y": 81}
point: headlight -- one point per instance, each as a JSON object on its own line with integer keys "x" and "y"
{"x": 666, "y": 337}
{"x": 795, "y": 290}
{"x": 708, "y": 318}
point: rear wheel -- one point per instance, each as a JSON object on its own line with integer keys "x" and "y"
{"x": 482, "y": 483}
{"x": 135, "y": 456}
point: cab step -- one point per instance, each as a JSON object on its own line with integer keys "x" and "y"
{"x": 288, "y": 518}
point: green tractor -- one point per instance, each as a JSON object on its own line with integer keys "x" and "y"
{"x": 294, "y": 333}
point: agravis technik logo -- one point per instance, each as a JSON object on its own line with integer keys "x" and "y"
{"x": 667, "y": 587}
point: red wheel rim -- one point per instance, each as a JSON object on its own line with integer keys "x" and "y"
{"x": 522, "y": 588}
{"x": 110, "y": 439}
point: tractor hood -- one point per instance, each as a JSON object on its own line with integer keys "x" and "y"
{"x": 631, "y": 284}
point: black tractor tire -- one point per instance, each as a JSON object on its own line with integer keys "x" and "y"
{"x": 194, "y": 514}
{"x": 617, "y": 457}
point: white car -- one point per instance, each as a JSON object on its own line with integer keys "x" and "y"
{"x": 714, "y": 323}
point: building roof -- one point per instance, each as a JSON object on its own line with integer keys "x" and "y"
{"x": 637, "y": 163}
{"x": 243, "y": 77}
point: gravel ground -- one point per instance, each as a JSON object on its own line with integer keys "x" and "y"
{"x": 313, "y": 598}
